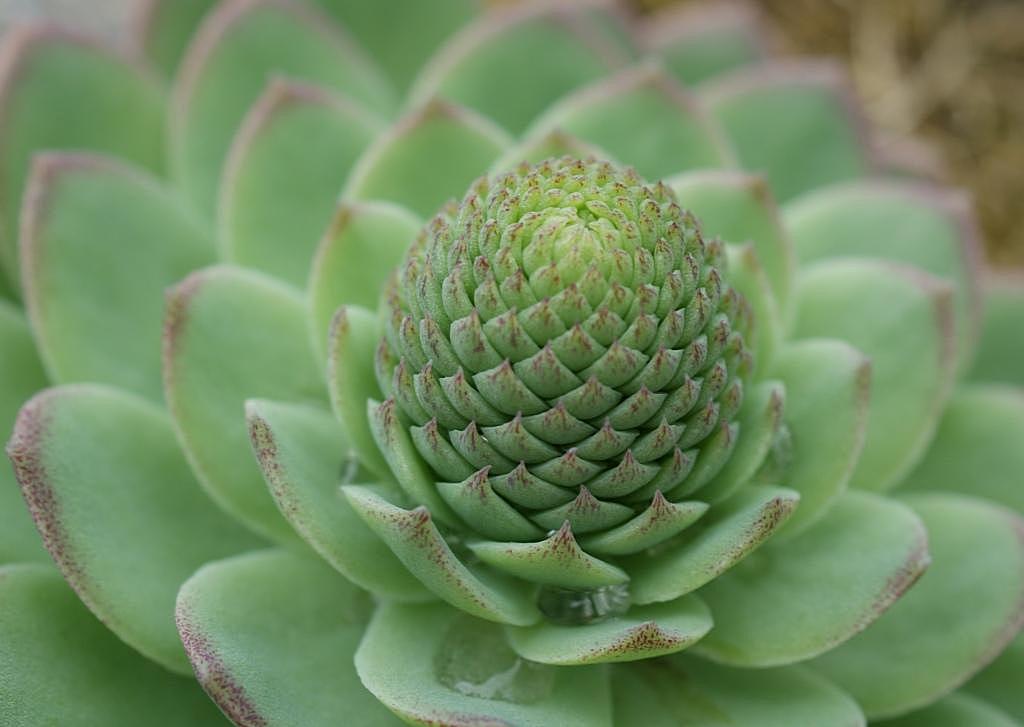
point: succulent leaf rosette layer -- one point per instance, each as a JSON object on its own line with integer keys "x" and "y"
{"x": 530, "y": 364}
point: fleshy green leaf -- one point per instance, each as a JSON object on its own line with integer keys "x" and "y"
{"x": 954, "y": 710}
{"x": 304, "y": 458}
{"x": 900, "y": 221}
{"x": 21, "y": 375}
{"x": 49, "y": 78}
{"x": 740, "y": 208}
{"x": 1001, "y": 347}
{"x": 796, "y": 122}
{"x": 101, "y": 241}
{"x": 977, "y": 447}
{"x": 828, "y": 387}
{"x": 698, "y": 42}
{"x": 645, "y": 632}
{"x": 433, "y": 665}
{"x": 644, "y": 118}
{"x": 964, "y": 611}
{"x": 413, "y": 537}
{"x": 681, "y": 690}
{"x": 901, "y": 318}
{"x": 401, "y": 34}
{"x": 364, "y": 244}
{"x": 62, "y": 666}
{"x": 283, "y": 175}
{"x": 118, "y": 508}
{"x": 232, "y": 335}
{"x": 548, "y": 145}
{"x": 271, "y": 637}
{"x": 999, "y": 682}
{"x": 165, "y": 27}
{"x": 728, "y": 533}
{"x": 427, "y": 158}
{"x": 534, "y": 53}
{"x": 818, "y": 589}
{"x": 225, "y": 69}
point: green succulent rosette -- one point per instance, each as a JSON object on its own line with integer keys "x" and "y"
{"x": 523, "y": 365}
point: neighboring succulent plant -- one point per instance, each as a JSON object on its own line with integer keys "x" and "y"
{"x": 614, "y": 440}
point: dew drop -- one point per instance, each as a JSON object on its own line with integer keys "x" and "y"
{"x": 579, "y": 607}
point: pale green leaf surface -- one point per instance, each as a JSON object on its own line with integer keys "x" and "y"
{"x": 165, "y": 28}
{"x": 118, "y": 508}
{"x": 304, "y": 458}
{"x": 828, "y": 386}
{"x": 534, "y": 53}
{"x": 728, "y": 533}
{"x": 433, "y": 665}
{"x": 101, "y": 241}
{"x": 795, "y": 599}
{"x": 21, "y": 375}
{"x": 899, "y": 221}
{"x": 60, "y": 666}
{"x": 644, "y": 119}
{"x": 1001, "y": 347}
{"x": 552, "y": 144}
{"x": 364, "y": 244}
{"x": 747, "y": 274}
{"x": 955, "y": 710}
{"x": 796, "y": 123}
{"x": 430, "y": 156}
{"x": 232, "y": 335}
{"x": 283, "y": 175}
{"x": 961, "y": 614}
{"x": 977, "y": 447}
{"x": 682, "y": 690}
{"x": 999, "y": 682}
{"x": 226, "y": 67}
{"x": 271, "y": 636}
{"x": 901, "y": 318}
{"x": 643, "y": 633}
{"x": 50, "y": 78}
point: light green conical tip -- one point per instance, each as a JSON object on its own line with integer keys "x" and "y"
{"x": 566, "y": 349}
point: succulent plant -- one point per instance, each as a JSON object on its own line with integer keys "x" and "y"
{"x": 612, "y": 377}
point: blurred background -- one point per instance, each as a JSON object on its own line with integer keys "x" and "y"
{"x": 949, "y": 73}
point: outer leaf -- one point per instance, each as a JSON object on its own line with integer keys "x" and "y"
{"x": 100, "y": 469}
{"x": 232, "y": 335}
{"x": 534, "y": 53}
{"x": 101, "y": 241}
{"x": 364, "y": 244}
{"x": 901, "y": 318}
{"x": 828, "y": 388}
{"x": 546, "y": 145}
{"x": 977, "y": 447}
{"x": 401, "y": 34}
{"x": 726, "y": 535}
{"x": 926, "y": 645}
{"x": 433, "y": 665}
{"x": 955, "y": 710}
{"x": 739, "y": 208}
{"x": 794, "y": 121}
{"x": 645, "y": 119}
{"x": 164, "y": 28}
{"x": 21, "y": 375}
{"x": 62, "y": 666}
{"x": 304, "y": 458}
{"x": 999, "y": 682}
{"x": 816, "y": 590}
{"x": 1001, "y": 347}
{"x": 645, "y": 632}
{"x": 226, "y": 68}
{"x": 271, "y": 637}
{"x": 283, "y": 175}
{"x": 48, "y": 77}
{"x": 428, "y": 157}
{"x": 899, "y": 221}
{"x": 700, "y": 42}
{"x": 681, "y": 690}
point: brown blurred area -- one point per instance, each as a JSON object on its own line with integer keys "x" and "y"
{"x": 947, "y": 72}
